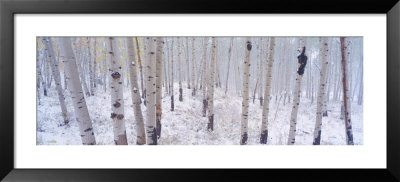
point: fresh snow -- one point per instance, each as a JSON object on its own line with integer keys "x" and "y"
{"x": 186, "y": 126}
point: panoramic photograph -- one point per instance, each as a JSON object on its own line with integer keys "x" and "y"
{"x": 199, "y": 90}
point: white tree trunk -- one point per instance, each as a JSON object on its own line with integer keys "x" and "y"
{"x": 229, "y": 63}
{"x": 267, "y": 92}
{"x": 180, "y": 70}
{"x": 302, "y": 60}
{"x": 172, "y": 74}
{"x": 344, "y": 43}
{"x": 210, "y": 98}
{"x": 245, "y": 93}
{"x": 91, "y": 84}
{"x": 56, "y": 75}
{"x": 159, "y": 72}
{"x": 322, "y": 90}
{"x": 187, "y": 62}
{"x": 204, "y": 77}
{"x": 117, "y": 94}
{"x": 140, "y": 131}
{"x": 75, "y": 87}
{"x": 150, "y": 66}
{"x": 193, "y": 68}
{"x": 94, "y": 64}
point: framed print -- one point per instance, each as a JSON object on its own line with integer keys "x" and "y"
{"x": 191, "y": 91}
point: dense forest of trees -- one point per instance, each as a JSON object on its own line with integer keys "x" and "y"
{"x": 263, "y": 72}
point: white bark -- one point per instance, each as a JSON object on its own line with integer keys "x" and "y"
{"x": 267, "y": 92}
{"x": 322, "y": 90}
{"x": 204, "y": 76}
{"x": 194, "y": 86}
{"x": 159, "y": 72}
{"x": 180, "y": 70}
{"x": 57, "y": 78}
{"x": 210, "y": 98}
{"x": 117, "y": 94}
{"x": 344, "y": 43}
{"x": 140, "y": 131}
{"x": 245, "y": 93}
{"x": 150, "y": 66}
{"x": 302, "y": 60}
{"x": 229, "y": 63}
{"x": 75, "y": 87}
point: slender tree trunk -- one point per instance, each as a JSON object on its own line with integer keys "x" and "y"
{"x": 171, "y": 49}
{"x": 57, "y": 80}
{"x": 95, "y": 63}
{"x": 203, "y": 79}
{"x": 90, "y": 66}
{"x": 39, "y": 72}
{"x": 322, "y": 90}
{"x": 267, "y": 92}
{"x": 140, "y": 131}
{"x": 117, "y": 95}
{"x": 193, "y": 68}
{"x": 245, "y": 93}
{"x": 80, "y": 56}
{"x": 150, "y": 66}
{"x": 141, "y": 70}
{"x": 180, "y": 70}
{"x": 346, "y": 96}
{"x": 229, "y": 63}
{"x": 210, "y": 98}
{"x": 260, "y": 88}
{"x": 75, "y": 88}
{"x": 159, "y": 72}
{"x": 43, "y": 75}
{"x": 187, "y": 62}
{"x": 302, "y": 60}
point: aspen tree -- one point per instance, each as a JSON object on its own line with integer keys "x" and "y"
{"x": 140, "y": 131}
{"x": 171, "y": 55}
{"x": 302, "y": 61}
{"x": 210, "y": 97}
{"x": 150, "y": 66}
{"x": 193, "y": 68}
{"x": 117, "y": 95}
{"x": 203, "y": 75}
{"x": 56, "y": 75}
{"x": 187, "y": 62}
{"x": 229, "y": 62}
{"x": 344, "y": 43}
{"x": 322, "y": 90}
{"x": 141, "y": 68}
{"x": 91, "y": 84}
{"x": 245, "y": 93}
{"x": 180, "y": 69}
{"x": 159, "y": 72}
{"x": 267, "y": 92}
{"x": 75, "y": 88}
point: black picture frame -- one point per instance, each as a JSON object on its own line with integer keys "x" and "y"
{"x": 9, "y": 8}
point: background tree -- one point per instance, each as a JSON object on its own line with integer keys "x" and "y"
{"x": 56, "y": 75}
{"x": 75, "y": 88}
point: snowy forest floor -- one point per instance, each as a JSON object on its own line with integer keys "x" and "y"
{"x": 186, "y": 126}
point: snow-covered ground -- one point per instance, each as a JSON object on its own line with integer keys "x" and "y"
{"x": 186, "y": 126}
